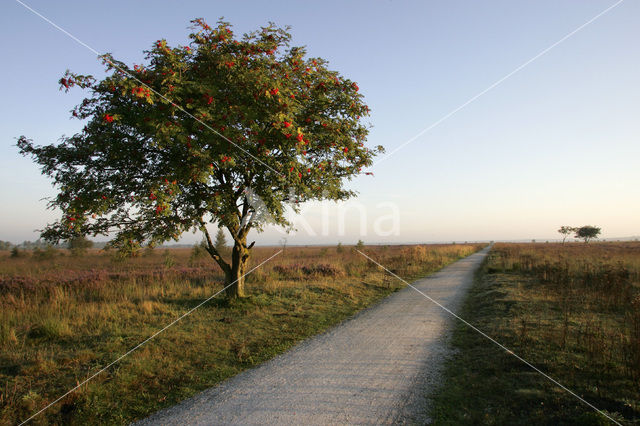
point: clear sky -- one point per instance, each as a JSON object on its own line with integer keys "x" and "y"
{"x": 554, "y": 144}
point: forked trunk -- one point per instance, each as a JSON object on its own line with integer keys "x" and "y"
{"x": 234, "y": 278}
{"x": 233, "y": 273}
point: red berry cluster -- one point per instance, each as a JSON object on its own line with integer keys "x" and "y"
{"x": 141, "y": 92}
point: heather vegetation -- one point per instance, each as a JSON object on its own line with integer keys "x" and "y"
{"x": 63, "y": 318}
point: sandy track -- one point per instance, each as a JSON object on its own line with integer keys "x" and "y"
{"x": 376, "y": 367}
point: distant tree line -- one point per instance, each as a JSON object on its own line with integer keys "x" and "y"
{"x": 25, "y": 245}
{"x": 585, "y": 233}
{"x": 40, "y": 244}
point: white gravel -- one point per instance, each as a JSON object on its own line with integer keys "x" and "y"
{"x": 376, "y": 368}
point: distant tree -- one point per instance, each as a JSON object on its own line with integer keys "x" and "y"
{"x": 360, "y": 245}
{"x": 229, "y": 130}
{"x": 199, "y": 250}
{"x": 30, "y": 245}
{"x": 5, "y": 245}
{"x": 587, "y": 233}
{"x": 79, "y": 244}
{"x": 15, "y": 252}
{"x": 220, "y": 242}
{"x": 44, "y": 254}
{"x": 339, "y": 248}
{"x": 565, "y": 231}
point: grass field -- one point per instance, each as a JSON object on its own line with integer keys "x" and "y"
{"x": 62, "y": 318}
{"x": 573, "y": 311}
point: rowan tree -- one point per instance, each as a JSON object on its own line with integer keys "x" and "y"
{"x": 196, "y": 134}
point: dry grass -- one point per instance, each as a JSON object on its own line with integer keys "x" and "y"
{"x": 573, "y": 310}
{"x": 62, "y": 318}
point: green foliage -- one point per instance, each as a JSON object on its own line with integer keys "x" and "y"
{"x": 220, "y": 242}
{"x": 269, "y": 120}
{"x": 565, "y": 231}
{"x": 339, "y": 248}
{"x": 15, "y": 252}
{"x": 168, "y": 259}
{"x": 5, "y": 245}
{"x": 198, "y": 251}
{"x": 360, "y": 245}
{"x": 228, "y": 130}
{"x": 79, "y": 245}
{"x": 127, "y": 250}
{"x": 587, "y": 233}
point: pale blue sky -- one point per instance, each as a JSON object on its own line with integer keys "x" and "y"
{"x": 557, "y": 143}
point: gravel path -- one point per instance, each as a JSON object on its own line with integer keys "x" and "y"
{"x": 376, "y": 367}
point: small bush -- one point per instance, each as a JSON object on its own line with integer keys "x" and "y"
{"x": 288, "y": 271}
{"x": 324, "y": 270}
{"x": 169, "y": 260}
{"x": 197, "y": 252}
{"x": 46, "y": 254}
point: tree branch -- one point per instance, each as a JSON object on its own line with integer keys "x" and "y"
{"x": 213, "y": 252}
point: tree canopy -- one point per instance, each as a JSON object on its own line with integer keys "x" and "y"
{"x": 228, "y": 130}
{"x": 565, "y": 231}
{"x": 587, "y": 232}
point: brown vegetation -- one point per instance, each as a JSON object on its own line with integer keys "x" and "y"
{"x": 573, "y": 310}
{"x": 62, "y": 318}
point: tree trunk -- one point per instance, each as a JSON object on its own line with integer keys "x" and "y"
{"x": 234, "y": 278}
